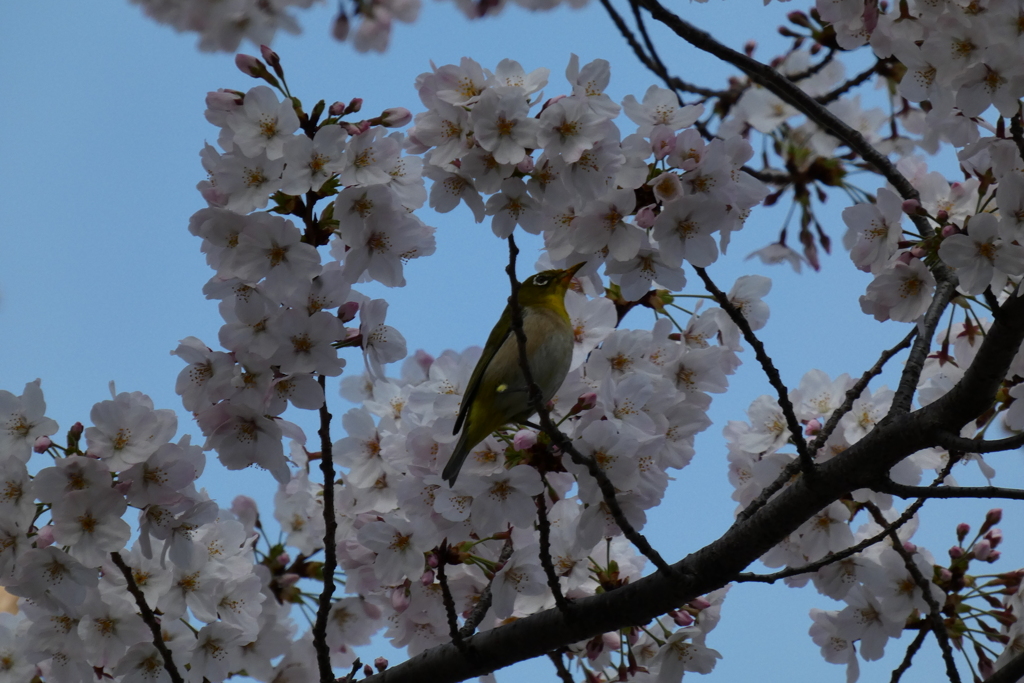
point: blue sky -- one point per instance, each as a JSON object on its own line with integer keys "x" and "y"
{"x": 99, "y": 278}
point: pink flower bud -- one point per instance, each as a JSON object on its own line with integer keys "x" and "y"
{"x": 380, "y": 663}
{"x": 42, "y": 444}
{"x": 962, "y": 529}
{"x": 347, "y": 311}
{"x": 433, "y": 561}
{"x": 524, "y": 439}
{"x": 682, "y": 618}
{"x": 911, "y": 207}
{"x": 995, "y": 537}
{"x": 399, "y": 600}
{"x": 283, "y": 559}
{"x": 994, "y": 556}
{"x": 424, "y": 360}
{"x": 551, "y": 101}
{"x": 699, "y": 604}
{"x": 367, "y": 671}
{"x": 336, "y": 109}
{"x": 249, "y": 65}
{"x": 270, "y": 56}
{"x": 395, "y": 117}
{"x": 956, "y": 552}
{"x": 645, "y": 217}
{"x": 526, "y": 165}
{"x": 355, "y": 105}
{"x": 942, "y": 216}
{"x": 77, "y": 429}
{"x": 994, "y": 516}
{"x": 427, "y": 578}
{"x": 948, "y": 230}
{"x": 945, "y": 574}
{"x": 813, "y": 427}
{"x": 371, "y": 610}
{"x": 222, "y": 100}
{"x": 982, "y": 549}
{"x": 44, "y": 538}
{"x": 909, "y": 547}
{"x": 289, "y": 579}
{"x": 340, "y": 27}
{"x": 905, "y": 257}
{"x": 917, "y": 252}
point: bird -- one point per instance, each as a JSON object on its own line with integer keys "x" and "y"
{"x": 497, "y": 393}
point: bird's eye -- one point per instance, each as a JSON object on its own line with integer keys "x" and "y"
{"x": 541, "y": 280}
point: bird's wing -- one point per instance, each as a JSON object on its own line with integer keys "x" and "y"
{"x": 497, "y": 337}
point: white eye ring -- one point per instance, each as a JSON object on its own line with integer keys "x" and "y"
{"x": 541, "y": 280}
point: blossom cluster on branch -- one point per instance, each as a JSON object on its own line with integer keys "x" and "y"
{"x": 544, "y": 519}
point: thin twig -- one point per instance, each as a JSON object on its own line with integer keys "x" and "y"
{"x": 563, "y": 673}
{"x": 561, "y": 440}
{"x": 544, "y": 527}
{"x": 901, "y": 402}
{"x": 796, "y": 432}
{"x": 952, "y": 441}
{"x": 769, "y": 78}
{"x": 842, "y": 89}
{"x": 449, "y": 602}
{"x": 833, "y": 421}
{"x": 811, "y": 70}
{"x": 484, "y": 603}
{"x": 148, "y": 617}
{"x": 323, "y": 652}
{"x": 915, "y": 645}
{"x": 934, "y": 617}
{"x": 671, "y": 81}
{"x": 905, "y": 517}
{"x": 857, "y": 389}
{"x": 904, "y": 491}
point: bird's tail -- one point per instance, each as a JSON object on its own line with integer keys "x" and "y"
{"x": 462, "y": 449}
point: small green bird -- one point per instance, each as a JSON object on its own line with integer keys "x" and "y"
{"x": 497, "y": 393}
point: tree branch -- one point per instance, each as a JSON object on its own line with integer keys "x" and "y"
{"x": 148, "y": 617}
{"x": 323, "y": 652}
{"x": 934, "y": 617}
{"x": 959, "y": 443}
{"x": 714, "y": 565}
{"x": 904, "y": 491}
{"x": 806, "y": 456}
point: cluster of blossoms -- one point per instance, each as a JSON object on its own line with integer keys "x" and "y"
{"x": 636, "y": 205}
{"x": 65, "y": 552}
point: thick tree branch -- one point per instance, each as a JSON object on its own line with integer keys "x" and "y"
{"x": 909, "y": 656}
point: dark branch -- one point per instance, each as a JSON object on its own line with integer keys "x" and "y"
{"x": 909, "y": 656}
{"x": 904, "y": 491}
{"x": 934, "y": 617}
{"x": 544, "y": 527}
{"x": 148, "y": 617}
{"x": 843, "y": 88}
{"x": 796, "y": 432}
{"x": 959, "y": 443}
{"x": 484, "y": 603}
{"x": 323, "y": 652}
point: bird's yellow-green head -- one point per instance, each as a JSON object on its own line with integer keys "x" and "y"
{"x": 547, "y": 288}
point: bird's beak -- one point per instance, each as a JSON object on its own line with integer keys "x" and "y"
{"x": 569, "y": 273}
